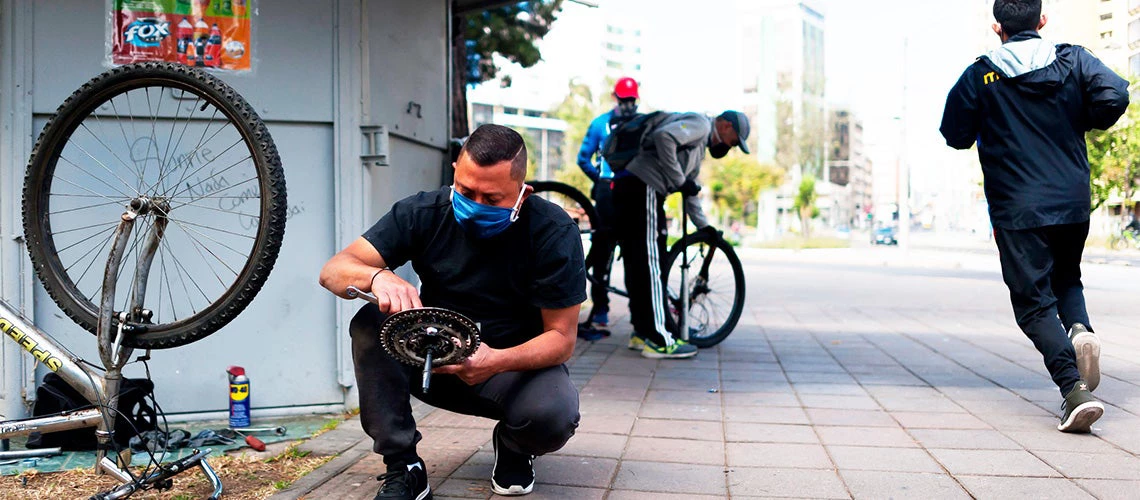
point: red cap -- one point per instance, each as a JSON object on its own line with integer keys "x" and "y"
{"x": 625, "y": 88}
{"x": 236, "y": 371}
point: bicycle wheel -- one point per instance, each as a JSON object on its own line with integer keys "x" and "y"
{"x": 184, "y": 144}
{"x": 576, "y": 204}
{"x": 716, "y": 287}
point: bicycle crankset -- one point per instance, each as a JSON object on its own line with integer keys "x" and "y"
{"x": 426, "y": 337}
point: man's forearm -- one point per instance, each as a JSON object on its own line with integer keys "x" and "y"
{"x": 549, "y": 349}
{"x": 343, "y": 271}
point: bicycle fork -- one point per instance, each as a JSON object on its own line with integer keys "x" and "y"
{"x": 684, "y": 309}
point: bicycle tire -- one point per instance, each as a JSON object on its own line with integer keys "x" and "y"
{"x": 710, "y": 339}
{"x": 573, "y": 194}
{"x": 272, "y": 209}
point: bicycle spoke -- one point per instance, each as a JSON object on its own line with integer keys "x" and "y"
{"x": 212, "y": 228}
{"x": 88, "y": 207}
{"x": 214, "y": 174}
{"x": 103, "y": 132}
{"x": 92, "y": 263}
{"x": 197, "y": 147}
{"x": 101, "y": 224}
{"x": 81, "y": 257}
{"x": 123, "y": 200}
{"x": 93, "y": 176}
{"x": 227, "y": 188}
{"x": 187, "y": 273}
{"x": 196, "y": 243}
{"x": 205, "y": 207}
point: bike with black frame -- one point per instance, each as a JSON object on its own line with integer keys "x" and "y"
{"x": 184, "y": 203}
{"x": 703, "y": 261}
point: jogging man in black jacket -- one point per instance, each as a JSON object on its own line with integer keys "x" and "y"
{"x": 1027, "y": 105}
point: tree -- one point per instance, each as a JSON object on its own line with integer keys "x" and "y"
{"x": 510, "y": 31}
{"x": 578, "y": 109}
{"x": 1113, "y": 156}
{"x": 734, "y": 183}
{"x": 805, "y": 204}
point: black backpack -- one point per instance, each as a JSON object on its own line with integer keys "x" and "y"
{"x": 55, "y": 396}
{"x": 628, "y": 139}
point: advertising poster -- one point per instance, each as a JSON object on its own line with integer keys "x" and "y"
{"x": 204, "y": 33}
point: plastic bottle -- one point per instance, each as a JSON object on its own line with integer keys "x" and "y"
{"x": 239, "y": 397}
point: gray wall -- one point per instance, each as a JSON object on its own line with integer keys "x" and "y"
{"x": 322, "y": 69}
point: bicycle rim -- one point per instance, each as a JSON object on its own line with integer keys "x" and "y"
{"x": 716, "y": 298}
{"x": 201, "y": 157}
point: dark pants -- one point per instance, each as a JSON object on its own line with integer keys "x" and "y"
{"x": 537, "y": 410}
{"x": 641, "y": 232}
{"x": 602, "y": 244}
{"x": 1042, "y": 268}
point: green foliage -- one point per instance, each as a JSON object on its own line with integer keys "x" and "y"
{"x": 805, "y": 204}
{"x": 282, "y": 485}
{"x": 735, "y": 182}
{"x": 578, "y": 109}
{"x": 510, "y": 31}
{"x": 1113, "y": 157}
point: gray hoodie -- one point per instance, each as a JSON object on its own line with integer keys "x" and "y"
{"x": 679, "y": 144}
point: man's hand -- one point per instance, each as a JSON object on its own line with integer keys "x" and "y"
{"x": 690, "y": 188}
{"x": 477, "y": 368}
{"x": 393, "y": 294}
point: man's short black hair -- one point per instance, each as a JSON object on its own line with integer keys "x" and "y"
{"x": 491, "y": 144}
{"x": 1016, "y": 16}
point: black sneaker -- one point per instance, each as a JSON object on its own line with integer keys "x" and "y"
{"x": 1087, "y": 346}
{"x": 513, "y": 474}
{"x": 1080, "y": 409}
{"x": 404, "y": 482}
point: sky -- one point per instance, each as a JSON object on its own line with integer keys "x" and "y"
{"x": 691, "y": 63}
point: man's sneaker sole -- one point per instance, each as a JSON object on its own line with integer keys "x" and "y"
{"x": 1082, "y": 418}
{"x": 513, "y": 491}
{"x": 1087, "y": 346}
{"x": 636, "y": 344}
{"x": 647, "y": 352}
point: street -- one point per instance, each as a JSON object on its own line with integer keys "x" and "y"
{"x": 855, "y": 373}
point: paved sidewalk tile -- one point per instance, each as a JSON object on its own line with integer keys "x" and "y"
{"x": 838, "y": 402}
{"x": 757, "y": 414}
{"x": 917, "y": 420}
{"x": 1111, "y": 489}
{"x": 986, "y": 487}
{"x": 1052, "y": 440}
{"x": 588, "y": 444}
{"x": 680, "y": 411}
{"x": 774, "y": 482}
{"x": 877, "y": 484}
{"x": 856, "y": 418}
{"x": 645, "y": 495}
{"x": 769, "y": 433}
{"x": 767, "y": 399}
{"x": 651, "y": 449}
{"x": 670, "y": 478}
{"x": 699, "y": 430}
{"x": 1093, "y": 466}
{"x": 806, "y": 456}
{"x": 993, "y": 463}
{"x": 970, "y": 439}
{"x": 883, "y": 459}
{"x": 893, "y": 437}
{"x": 683, "y": 397}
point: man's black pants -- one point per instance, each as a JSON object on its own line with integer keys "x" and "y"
{"x": 602, "y": 244}
{"x": 641, "y": 232}
{"x": 1042, "y": 268}
{"x": 537, "y": 410}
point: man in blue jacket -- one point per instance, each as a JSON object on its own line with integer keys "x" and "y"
{"x": 603, "y": 241}
{"x": 1027, "y": 105}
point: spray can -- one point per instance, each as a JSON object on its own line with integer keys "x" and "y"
{"x": 239, "y": 397}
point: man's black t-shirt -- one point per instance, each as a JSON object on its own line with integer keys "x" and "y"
{"x": 500, "y": 282}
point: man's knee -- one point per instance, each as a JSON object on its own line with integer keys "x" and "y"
{"x": 546, "y": 430}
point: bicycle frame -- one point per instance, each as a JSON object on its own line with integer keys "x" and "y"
{"x": 101, "y": 390}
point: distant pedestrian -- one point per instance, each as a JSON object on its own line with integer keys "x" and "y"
{"x": 1027, "y": 106}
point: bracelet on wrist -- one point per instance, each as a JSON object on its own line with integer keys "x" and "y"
{"x": 377, "y": 273}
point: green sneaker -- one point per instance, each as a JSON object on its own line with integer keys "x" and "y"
{"x": 636, "y": 342}
{"x": 679, "y": 349}
{"x": 1080, "y": 409}
{"x": 1087, "y": 346}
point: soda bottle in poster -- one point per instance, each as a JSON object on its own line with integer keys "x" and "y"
{"x": 185, "y": 41}
{"x": 214, "y": 48}
{"x": 201, "y": 37}
{"x": 239, "y": 8}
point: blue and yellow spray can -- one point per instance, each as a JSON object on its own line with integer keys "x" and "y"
{"x": 239, "y": 397}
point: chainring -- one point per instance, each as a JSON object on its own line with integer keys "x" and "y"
{"x": 409, "y": 334}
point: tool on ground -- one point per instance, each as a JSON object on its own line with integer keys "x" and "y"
{"x": 252, "y": 441}
{"x": 21, "y": 454}
{"x": 280, "y": 430}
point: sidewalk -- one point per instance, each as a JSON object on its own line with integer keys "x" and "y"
{"x": 802, "y": 401}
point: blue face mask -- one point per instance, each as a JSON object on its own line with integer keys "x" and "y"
{"x": 483, "y": 221}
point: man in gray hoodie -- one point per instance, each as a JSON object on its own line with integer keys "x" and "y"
{"x": 670, "y": 163}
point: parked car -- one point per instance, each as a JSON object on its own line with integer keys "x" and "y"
{"x": 884, "y": 236}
